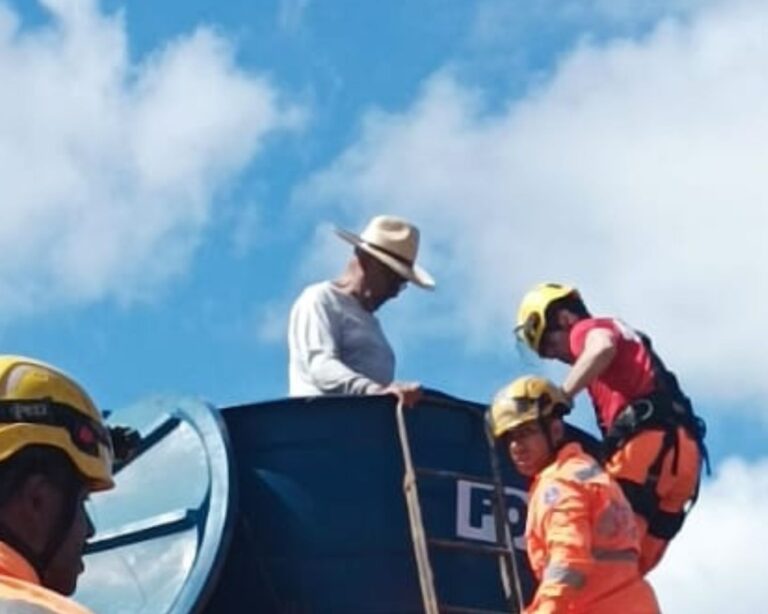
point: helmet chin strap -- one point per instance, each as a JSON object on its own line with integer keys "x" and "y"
{"x": 544, "y": 424}
{"x": 11, "y": 538}
{"x": 61, "y": 527}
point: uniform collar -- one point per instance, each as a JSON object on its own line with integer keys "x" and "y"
{"x": 14, "y": 565}
{"x": 567, "y": 451}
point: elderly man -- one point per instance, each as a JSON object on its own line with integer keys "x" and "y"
{"x": 54, "y": 452}
{"x": 581, "y": 536}
{"x": 335, "y": 342}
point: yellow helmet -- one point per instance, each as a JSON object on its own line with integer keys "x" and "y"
{"x": 527, "y": 399}
{"x": 39, "y": 405}
{"x": 532, "y": 314}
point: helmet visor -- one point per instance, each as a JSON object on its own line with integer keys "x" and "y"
{"x": 525, "y": 353}
{"x": 530, "y": 331}
{"x": 86, "y": 434}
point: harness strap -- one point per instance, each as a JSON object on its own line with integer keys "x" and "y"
{"x": 670, "y": 442}
{"x": 665, "y": 525}
{"x": 667, "y": 385}
{"x": 644, "y": 498}
{"x": 644, "y": 501}
{"x": 666, "y": 409}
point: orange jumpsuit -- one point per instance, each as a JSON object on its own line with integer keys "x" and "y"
{"x": 630, "y": 464}
{"x": 582, "y": 541}
{"x": 21, "y": 591}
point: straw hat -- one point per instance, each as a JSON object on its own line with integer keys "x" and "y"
{"x": 394, "y": 242}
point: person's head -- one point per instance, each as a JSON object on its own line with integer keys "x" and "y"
{"x": 527, "y": 416}
{"x": 378, "y": 282}
{"x": 54, "y": 451}
{"x": 545, "y": 318}
{"x": 384, "y": 260}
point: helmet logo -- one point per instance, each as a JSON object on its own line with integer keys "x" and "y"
{"x": 521, "y": 404}
{"x": 23, "y": 412}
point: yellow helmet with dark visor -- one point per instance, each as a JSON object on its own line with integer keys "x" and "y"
{"x": 532, "y": 314}
{"x": 527, "y": 399}
{"x": 40, "y": 405}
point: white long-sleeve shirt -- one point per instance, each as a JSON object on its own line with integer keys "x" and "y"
{"x": 335, "y": 346}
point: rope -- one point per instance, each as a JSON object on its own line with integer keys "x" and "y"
{"x": 418, "y": 536}
{"x": 502, "y": 529}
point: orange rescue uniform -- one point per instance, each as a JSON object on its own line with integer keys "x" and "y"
{"x": 21, "y": 591}
{"x": 583, "y": 542}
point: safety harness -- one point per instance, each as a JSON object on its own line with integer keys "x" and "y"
{"x": 666, "y": 409}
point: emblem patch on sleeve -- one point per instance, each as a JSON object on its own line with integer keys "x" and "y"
{"x": 551, "y": 495}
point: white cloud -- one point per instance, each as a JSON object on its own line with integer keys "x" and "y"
{"x": 635, "y": 171}
{"x": 108, "y": 167}
{"x": 523, "y": 32}
{"x": 716, "y": 563}
{"x": 291, "y": 14}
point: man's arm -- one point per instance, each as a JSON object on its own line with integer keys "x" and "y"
{"x": 599, "y": 351}
{"x": 313, "y": 340}
{"x": 568, "y": 536}
{"x": 314, "y": 333}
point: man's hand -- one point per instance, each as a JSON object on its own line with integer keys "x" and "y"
{"x": 407, "y": 393}
{"x": 567, "y": 398}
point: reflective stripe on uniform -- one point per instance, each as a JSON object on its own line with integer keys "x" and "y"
{"x": 557, "y": 572}
{"x": 14, "y": 606}
{"x": 587, "y": 473}
{"x": 611, "y": 554}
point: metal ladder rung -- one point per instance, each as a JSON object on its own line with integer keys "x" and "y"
{"x": 452, "y": 544}
{"x": 444, "y": 473}
{"x": 509, "y": 576}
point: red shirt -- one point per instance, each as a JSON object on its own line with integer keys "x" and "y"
{"x": 630, "y": 375}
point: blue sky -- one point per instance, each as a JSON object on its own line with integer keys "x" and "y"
{"x": 172, "y": 172}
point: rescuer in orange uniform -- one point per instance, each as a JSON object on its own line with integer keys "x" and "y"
{"x": 54, "y": 451}
{"x": 654, "y": 443}
{"x": 580, "y": 532}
